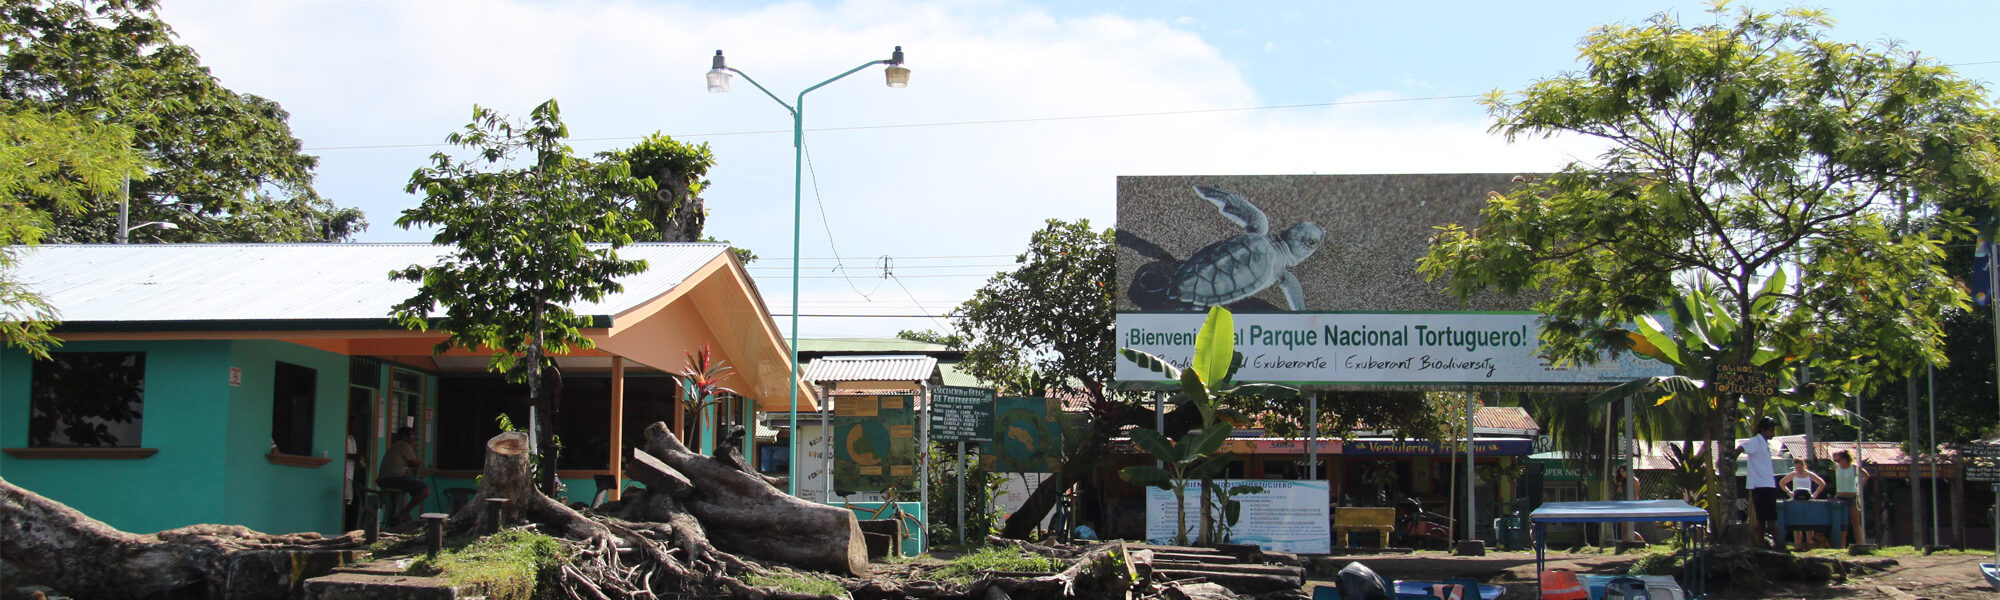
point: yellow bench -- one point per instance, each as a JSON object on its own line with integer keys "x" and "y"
{"x": 1350, "y": 519}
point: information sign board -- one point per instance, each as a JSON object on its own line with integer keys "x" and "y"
{"x": 1286, "y": 515}
{"x": 961, "y": 414}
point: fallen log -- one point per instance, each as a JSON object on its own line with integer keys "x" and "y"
{"x": 83, "y": 557}
{"x": 744, "y": 514}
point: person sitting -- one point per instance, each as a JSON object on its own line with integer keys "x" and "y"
{"x": 399, "y": 472}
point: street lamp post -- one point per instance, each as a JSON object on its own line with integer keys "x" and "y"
{"x": 896, "y": 76}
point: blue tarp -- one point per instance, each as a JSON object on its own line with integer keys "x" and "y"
{"x": 1618, "y": 511}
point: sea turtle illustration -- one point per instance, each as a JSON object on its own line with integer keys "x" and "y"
{"x": 1242, "y": 265}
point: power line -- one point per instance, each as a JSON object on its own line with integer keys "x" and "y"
{"x": 967, "y": 123}
{"x": 1163, "y": 113}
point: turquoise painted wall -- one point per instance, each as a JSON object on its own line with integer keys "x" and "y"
{"x": 187, "y": 393}
{"x": 281, "y": 498}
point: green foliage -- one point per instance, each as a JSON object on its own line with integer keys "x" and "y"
{"x": 1229, "y": 509}
{"x": 521, "y": 240}
{"x": 1203, "y": 385}
{"x": 1759, "y": 183}
{"x": 982, "y": 490}
{"x": 673, "y": 205}
{"x": 797, "y": 582}
{"x": 63, "y": 161}
{"x": 1737, "y": 148}
{"x": 701, "y": 388}
{"x": 1008, "y": 559}
{"x": 227, "y": 167}
{"x": 1051, "y": 316}
{"x": 525, "y": 244}
{"x": 508, "y": 565}
{"x": 1656, "y": 563}
{"x": 931, "y": 336}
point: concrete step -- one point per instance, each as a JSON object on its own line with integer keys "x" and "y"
{"x": 364, "y": 586}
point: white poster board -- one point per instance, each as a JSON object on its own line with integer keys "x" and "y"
{"x": 1288, "y": 516}
{"x": 811, "y": 461}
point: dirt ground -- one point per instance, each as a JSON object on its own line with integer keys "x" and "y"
{"x": 1941, "y": 576}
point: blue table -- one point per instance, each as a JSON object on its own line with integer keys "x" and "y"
{"x": 1687, "y": 515}
{"x": 1831, "y": 514}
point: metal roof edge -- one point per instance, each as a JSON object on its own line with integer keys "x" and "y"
{"x": 382, "y": 324}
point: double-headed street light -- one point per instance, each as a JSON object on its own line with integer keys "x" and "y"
{"x": 896, "y": 75}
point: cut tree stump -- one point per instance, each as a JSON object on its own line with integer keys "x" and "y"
{"x": 507, "y": 475}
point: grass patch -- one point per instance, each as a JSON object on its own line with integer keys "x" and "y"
{"x": 798, "y": 582}
{"x": 508, "y": 565}
{"x": 996, "y": 558}
{"x": 1656, "y": 563}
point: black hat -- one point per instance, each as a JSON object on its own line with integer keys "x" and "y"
{"x": 406, "y": 432}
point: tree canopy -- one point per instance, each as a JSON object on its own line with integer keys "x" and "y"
{"x": 525, "y": 243}
{"x": 64, "y": 160}
{"x": 225, "y": 165}
{"x": 1735, "y": 149}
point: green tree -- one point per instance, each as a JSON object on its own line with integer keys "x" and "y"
{"x": 522, "y": 248}
{"x": 225, "y": 165}
{"x": 1050, "y": 320}
{"x": 1735, "y": 150}
{"x": 65, "y": 161}
{"x": 931, "y": 336}
{"x": 674, "y": 206}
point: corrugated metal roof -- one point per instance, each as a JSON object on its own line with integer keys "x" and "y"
{"x": 282, "y": 282}
{"x": 1504, "y": 417}
{"x": 871, "y": 368}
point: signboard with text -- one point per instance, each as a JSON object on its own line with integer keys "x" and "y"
{"x": 1320, "y": 273}
{"x": 961, "y": 414}
{"x": 1376, "y": 349}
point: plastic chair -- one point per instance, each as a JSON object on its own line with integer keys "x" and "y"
{"x": 1562, "y": 584}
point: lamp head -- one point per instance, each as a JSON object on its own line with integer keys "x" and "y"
{"x": 718, "y": 75}
{"x": 897, "y": 75}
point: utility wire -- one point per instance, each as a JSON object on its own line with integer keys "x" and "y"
{"x": 1163, "y": 113}
{"x": 839, "y": 265}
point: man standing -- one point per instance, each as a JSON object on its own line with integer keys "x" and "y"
{"x": 399, "y": 471}
{"x": 1761, "y": 482}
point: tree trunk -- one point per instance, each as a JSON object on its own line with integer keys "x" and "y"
{"x": 744, "y": 514}
{"x": 82, "y": 557}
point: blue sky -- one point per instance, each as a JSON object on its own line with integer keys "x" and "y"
{"x": 1017, "y": 111}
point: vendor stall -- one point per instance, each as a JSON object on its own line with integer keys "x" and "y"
{"x": 1692, "y": 520}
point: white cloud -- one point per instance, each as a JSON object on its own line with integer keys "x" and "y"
{"x": 384, "y": 72}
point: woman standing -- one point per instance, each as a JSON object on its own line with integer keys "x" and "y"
{"x": 1804, "y": 485}
{"x": 1848, "y": 478}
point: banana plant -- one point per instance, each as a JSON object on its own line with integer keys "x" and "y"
{"x": 1193, "y": 457}
{"x": 1208, "y": 378}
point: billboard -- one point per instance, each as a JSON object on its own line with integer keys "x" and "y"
{"x": 1321, "y": 273}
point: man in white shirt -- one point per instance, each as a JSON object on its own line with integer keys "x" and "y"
{"x": 1760, "y": 481}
